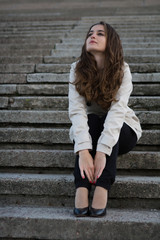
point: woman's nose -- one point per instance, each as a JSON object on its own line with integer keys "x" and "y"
{"x": 93, "y": 35}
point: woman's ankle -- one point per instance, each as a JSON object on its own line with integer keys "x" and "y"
{"x": 100, "y": 198}
{"x": 81, "y": 198}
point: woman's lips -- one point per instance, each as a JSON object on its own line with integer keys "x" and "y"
{"x": 92, "y": 42}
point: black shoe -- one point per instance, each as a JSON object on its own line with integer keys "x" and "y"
{"x": 97, "y": 212}
{"x": 81, "y": 212}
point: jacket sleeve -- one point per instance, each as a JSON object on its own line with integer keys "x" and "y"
{"x": 79, "y": 132}
{"x": 116, "y": 115}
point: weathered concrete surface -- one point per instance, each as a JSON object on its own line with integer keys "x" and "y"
{"x": 65, "y": 68}
{"x": 141, "y": 39}
{"x": 13, "y": 78}
{"x": 61, "y": 117}
{"x": 47, "y": 223}
{"x": 59, "y": 135}
{"x": 74, "y": 46}
{"x": 23, "y": 52}
{"x": 61, "y": 103}
{"x": 60, "y": 78}
{"x": 17, "y": 68}
{"x": 63, "y": 185}
{"x": 22, "y": 116}
{"x": 54, "y": 68}
{"x": 3, "y": 102}
{"x": 127, "y": 51}
{"x": 62, "y": 89}
{"x": 65, "y": 159}
{"x": 39, "y": 103}
{"x": 128, "y": 58}
{"x": 19, "y": 60}
{"x": 47, "y": 77}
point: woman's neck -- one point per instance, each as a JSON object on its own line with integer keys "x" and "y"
{"x": 99, "y": 60}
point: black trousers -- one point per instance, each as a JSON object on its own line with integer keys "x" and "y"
{"x": 127, "y": 140}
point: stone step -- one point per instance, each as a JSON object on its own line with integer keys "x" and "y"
{"x": 48, "y": 222}
{"x": 61, "y": 186}
{"x": 122, "y": 19}
{"x": 11, "y": 46}
{"x": 40, "y": 34}
{"x": 62, "y": 89}
{"x": 127, "y": 51}
{"x": 13, "y": 78}
{"x": 50, "y": 136}
{"x": 61, "y": 103}
{"x": 38, "y": 29}
{"x": 35, "y": 24}
{"x": 61, "y": 117}
{"x": 128, "y": 58}
{"x": 21, "y": 59}
{"x": 120, "y": 24}
{"x": 67, "y": 46}
{"x": 29, "y": 39}
{"x": 24, "y": 52}
{"x": 63, "y": 78}
{"x": 17, "y": 68}
{"x": 139, "y": 39}
{"x": 64, "y": 68}
{"x": 65, "y": 159}
{"x": 49, "y": 78}
{"x": 121, "y": 34}
{"x": 121, "y": 28}
{"x": 58, "y": 78}
{"x": 64, "y": 30}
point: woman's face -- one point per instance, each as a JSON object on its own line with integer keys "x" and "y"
{"x": 96, "y": 41}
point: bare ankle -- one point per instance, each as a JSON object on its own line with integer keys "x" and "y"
{"x": 100, "y": 198}
{"x": 81, "y": 198}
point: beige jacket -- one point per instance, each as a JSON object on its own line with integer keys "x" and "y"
{"x": 118, "y": 113}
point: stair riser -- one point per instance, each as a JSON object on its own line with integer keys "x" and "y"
{"x": 65, "y": 68}
{"x": 77, "y": 52}
{"x": 61, "y": 103}
{"x": 63, "y": 185}
{"x": 61, "y": 117}
{"x": 55, "y": 136}
{"x": 68, "y": 201}
{"x": 128, "y": 59}
{"x": 62, "y": 90}
{"x": 61, "y": 224}
{"x": 49, "y": 159}
{"x": 61, "y": 78}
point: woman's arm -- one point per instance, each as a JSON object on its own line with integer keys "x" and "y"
{"x": 80, "y": 131}
{"x": 77, "y": 113}
{"x": 116, "y": 115}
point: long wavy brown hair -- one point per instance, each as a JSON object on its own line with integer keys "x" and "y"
{"x": 97, "y": 85}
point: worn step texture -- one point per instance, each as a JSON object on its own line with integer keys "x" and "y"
{"x": 36, "y": 155}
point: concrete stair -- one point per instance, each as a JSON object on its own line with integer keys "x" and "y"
{"x": 36, "y": 155}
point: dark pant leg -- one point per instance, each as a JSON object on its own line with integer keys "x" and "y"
{"x": 95, "y": 131}
{"x": 127, "y": 140}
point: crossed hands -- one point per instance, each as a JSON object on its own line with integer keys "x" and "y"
{"x": 93, "y": 168}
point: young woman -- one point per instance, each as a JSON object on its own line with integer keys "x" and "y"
{"x": 103, "y": 126}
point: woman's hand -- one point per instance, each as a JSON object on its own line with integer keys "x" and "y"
{"x": 86, "y": 165}
{"x": 99, "y": 164}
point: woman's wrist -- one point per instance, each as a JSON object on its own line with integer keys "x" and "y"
{"x": 101, "y": 153}
{"x": 84, "y": 151}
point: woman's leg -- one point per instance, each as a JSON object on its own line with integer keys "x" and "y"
{"x": 83, "y": 186}
{"x": 127, "y": 140}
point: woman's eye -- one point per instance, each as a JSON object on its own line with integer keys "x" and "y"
{"x": 89, "y": 34}
{"x": 100, "y": 34}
